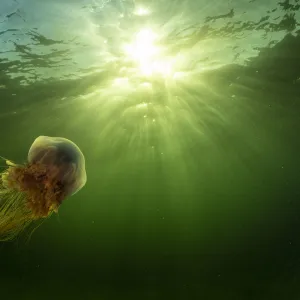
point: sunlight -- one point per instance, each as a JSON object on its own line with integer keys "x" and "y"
{"x": 141, "y": 11}
{"x": 148, "y": 54}
{"x": 120, "y": 81}
{"x": 143, "y": 47}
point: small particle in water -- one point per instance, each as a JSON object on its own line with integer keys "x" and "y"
{"x": 232, "y": 96}
{"x": 145, "y": 116}
{"x": 153, "y": 120}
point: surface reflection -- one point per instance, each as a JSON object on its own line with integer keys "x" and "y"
{"x": 56, "y": 45}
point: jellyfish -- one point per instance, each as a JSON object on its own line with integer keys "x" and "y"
{"x": 33, "y": 191}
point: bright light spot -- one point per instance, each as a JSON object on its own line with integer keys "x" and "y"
{"x": 143, "y": 47}
{"x": 120, "y": 81}
{"x": 162, "y": 67}
{"x": 146, "y": 84}
{"x": 148, "y": 55}
{"x": 141, "y": 11}
{"x": 179, "y": 75}
{"x": 141, "y": 105}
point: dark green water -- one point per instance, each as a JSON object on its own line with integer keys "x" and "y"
{"x": 190, "y": 131}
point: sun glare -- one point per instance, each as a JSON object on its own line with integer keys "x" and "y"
{"x": 148, "y": 55}
{"x": 141, "y": 11}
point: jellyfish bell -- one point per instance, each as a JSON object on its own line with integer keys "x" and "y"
{"x": 55, "y": 171}
{"x": 61, "y": 156}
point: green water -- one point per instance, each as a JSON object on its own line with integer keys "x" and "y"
{"x": 188, "y": 114}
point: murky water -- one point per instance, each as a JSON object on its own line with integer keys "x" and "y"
{"x": 188, "y": 115}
